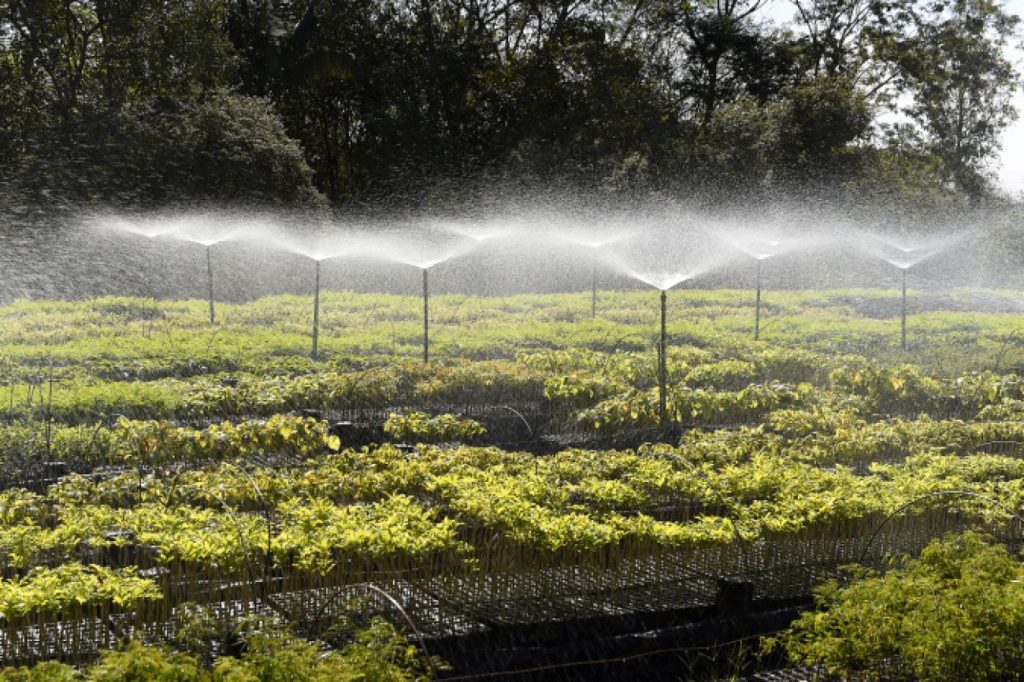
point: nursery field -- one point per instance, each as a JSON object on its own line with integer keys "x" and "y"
{"x": 154, "y": 465}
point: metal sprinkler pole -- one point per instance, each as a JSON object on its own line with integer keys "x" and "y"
{"x": 903, "y": 313}
{"x": 593, "y": 290}
{"x": 757, "y": 306}
{"x": 662, "y": 366}
{"x": 209, "y": 281}
{"x": 426, "y": 319}
{"x": 316, "y": 313}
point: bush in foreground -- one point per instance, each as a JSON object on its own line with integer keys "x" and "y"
{"x": 956, "y": 613}
{"x": 374, "y": 653}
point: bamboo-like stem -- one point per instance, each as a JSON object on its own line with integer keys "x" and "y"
{"x": 757, "y": 305}
{"x": 316, "y": 313}
{"x": 426, "y": 319}
{"x": 903, "y": 313}
{"x": 662, "y": 366}
{"x": 209, "y": 282}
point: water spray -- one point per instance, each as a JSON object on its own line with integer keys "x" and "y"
{"x": 594, "y": 246}
{"x": 423, "y": 260}
{"x": 905, "y": 255}
{"x": 760, "y": 248}
{"x": 663, "y": 282}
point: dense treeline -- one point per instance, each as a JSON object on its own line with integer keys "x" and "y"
{"x": 355, "y": 102}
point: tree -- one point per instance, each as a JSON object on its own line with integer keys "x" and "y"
{"x": 900, "y": 179}
{"x": 835, "y": 36}
{"x": 806, "y": 141}
{"x": 811, "y": 127}
{"x": 587, "y": 111}
{"x": 715, "y": 44}
{"x": 124, "y": 102}
{"x": 223, "y": 147}
{"x": 401, "y": 101}
{"x": 104, "y": 52}
{"x": 952, "y": 61}
{"x": 53, "y": 44}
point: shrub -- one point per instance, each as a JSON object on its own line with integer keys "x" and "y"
{"x": 417, "y": 427}
{"x": 956, "y": 613}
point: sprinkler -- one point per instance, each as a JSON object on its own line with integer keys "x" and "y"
{"x": 903, "y": 313}
{"x": 662, "y": 366}
{"x": 761, "y": 248}
{"x": 426, "y": 319}
{"x": 424, "y": 256}
{"x": 316, "y": 313}
{"x": 318, "y": 256}
{"x": 904, "y": 256}
{"x": 593, "y": 247}
{"x": 757, "y": 305}
{"x": 663, "y": 282}
{"x": 209, "y": 281}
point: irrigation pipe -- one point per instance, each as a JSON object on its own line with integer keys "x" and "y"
{"x": 245, "y": 544}
{"x": 938, "y": 493}
{"x": 266, "y": 597}
{"x": 520, "y": 415}
{"x": 419, "y": 635}
{"x": 408, "y": 619}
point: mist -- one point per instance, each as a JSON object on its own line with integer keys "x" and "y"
{"x": 532, "y": 246}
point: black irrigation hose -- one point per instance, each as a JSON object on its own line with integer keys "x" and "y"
{"x": 233, "y": 514}
{"x": 521, "y": 417}
{"x": 938, "y": 493}
{"x": 408, "y": 619}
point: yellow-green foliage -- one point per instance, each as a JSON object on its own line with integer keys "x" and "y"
{"x": 825, "y": 424}
{"x": 376, "y": 652}
{"x": 417, "y": 427}
{"x": 956, "y": 613}
{"x": 46, "y": 590}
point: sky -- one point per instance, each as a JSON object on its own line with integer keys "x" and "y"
{"x": 1009, "y": 167}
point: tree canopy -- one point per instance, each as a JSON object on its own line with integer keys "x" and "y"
{"x": 405, "y": 102}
